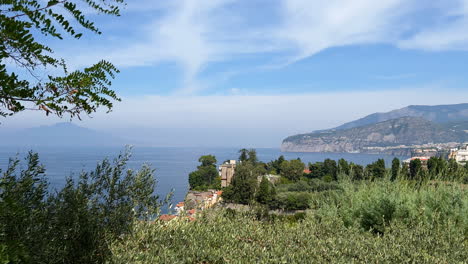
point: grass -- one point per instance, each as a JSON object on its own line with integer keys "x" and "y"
{"x": 372, "y": 222}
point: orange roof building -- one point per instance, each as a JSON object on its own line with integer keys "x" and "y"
{"x": 166, "y": 217}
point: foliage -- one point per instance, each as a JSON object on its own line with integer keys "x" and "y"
{"x": 244, "y": 184}
{"x": 72, "y": 93}
{"x": 266, "y": 192}
{"x": 275, "y": 165}
{"x": 291, "y": 201}
{"x": 356, "y": 172}
{"x": 415, "y": 168}
{"x": 244, "y": 155}
{"x": 330, "y": 168}
{"x": 376, "y": 170}
{"x": 425, "y": 225}
{"x": 252, "y": 156}
{"x": 292, "y": 170}
{"x": 314, "y": 185}
{"x": 74, "y": 224}
{"x": 316, "y": 170}
{"x": 404, "y": 173}
{"x": 395, "y": 169}
{"x": 343, "y": 166}
{"x": 206, "y": 176}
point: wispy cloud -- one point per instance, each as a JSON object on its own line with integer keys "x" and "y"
{"x": 449, "y": 33}
{"x": 195, "y": 34}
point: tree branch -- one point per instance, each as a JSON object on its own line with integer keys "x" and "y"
{"x": 40, "y": 9}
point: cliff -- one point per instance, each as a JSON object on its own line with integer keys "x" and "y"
{"x": 393, "y": 136}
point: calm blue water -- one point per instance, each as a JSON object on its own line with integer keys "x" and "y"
{"x": 172, "y": 164}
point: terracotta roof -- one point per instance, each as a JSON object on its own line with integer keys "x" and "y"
{"x": 167, "y": 217}
{"x": 306, "y": 171}
{"x": 219, "y": 193}
{"x": 191, "y": 211}
{"x": 180, "y": 204}
{"x": 420, "y": 158}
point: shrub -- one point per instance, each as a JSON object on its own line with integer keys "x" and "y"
{"x": 73, "y": 225}
{"x": 292, "y": 201}
{"x": 377, "y": 215}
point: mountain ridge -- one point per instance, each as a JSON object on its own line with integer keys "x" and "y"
{"x": 434, "y": 113}
{"x": 413, "y": 126}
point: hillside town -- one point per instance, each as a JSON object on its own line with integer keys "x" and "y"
{"x": 197, "y": 201}
{"x": 459, "y": 154}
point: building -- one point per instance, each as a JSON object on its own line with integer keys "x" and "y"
{"x": 167, "y": 218}
{"x": 226, "y": 172}
{"x": 425, "y": 152}
{"x": 179, "y": 208}
{"x": 201, "y": 200}
{"x": 423, "y": 160}
{"x": 460, "y": 155}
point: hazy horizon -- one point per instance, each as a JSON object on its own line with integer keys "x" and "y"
{"x": 214, "y": 73}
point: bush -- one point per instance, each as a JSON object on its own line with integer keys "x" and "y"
{"x": 292, "y": 201}
{"x": 313, "y": 185}
{"x": 321, "y": 237}
{"x": 75, "y": 224}
{"x": 377, "y": 215}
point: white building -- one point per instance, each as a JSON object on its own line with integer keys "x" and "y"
{"x": 462, "y": 155}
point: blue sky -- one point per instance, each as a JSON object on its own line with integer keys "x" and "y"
{"x": 187, "y": 64}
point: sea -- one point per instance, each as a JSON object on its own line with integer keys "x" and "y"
{"x": 172, "y": 165}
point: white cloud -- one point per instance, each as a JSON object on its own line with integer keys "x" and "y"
{"x": 316, "y": 25}
{"x": 449, "y": 33}
{"x": 453, "y": 36}
{"x": 196, "y": 33}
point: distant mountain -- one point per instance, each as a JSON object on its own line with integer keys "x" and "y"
{"x": 387, "y": 135}
{"x": 60, "y": 134}
{"x": 437, "y": 114}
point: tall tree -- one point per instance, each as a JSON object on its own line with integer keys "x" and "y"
{"x": 252, "y": 153}
{"x": 316, "y": 170}
{"x": 27, "y": 84}
{"x": 244, "y": 184}
{"x": 405, "y": 171}
{"x": 292, "y": 170}
{"x": 206, "y": 176}
{"x": 357, "y": 172}
{"x": 343, "y": 166}
{"x": 415, "y": 169}
{"x": 244, "y": 155}
{"x": 395, "y": 169}
{"x": 265, "y": 193}
{"x": 379, "y": 169}
{"x": 330, "y": 169}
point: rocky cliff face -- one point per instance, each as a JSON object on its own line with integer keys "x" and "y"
{"x": 385, "y": 137}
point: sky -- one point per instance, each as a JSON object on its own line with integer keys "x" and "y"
{"x": 250, "y": 73}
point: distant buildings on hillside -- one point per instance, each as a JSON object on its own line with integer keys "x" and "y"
{"x": 459, "y": 154}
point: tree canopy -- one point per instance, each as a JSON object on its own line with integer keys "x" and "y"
{"x": 25, "y": 63}
{"x": 293, "y": 169}
{"x": 206, "y": 176}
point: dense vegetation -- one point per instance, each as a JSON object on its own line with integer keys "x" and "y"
{"x": 366, "y": 221}
{"x": 294, "y": 189}
{"x": 329, "y": 212}
{"x": 206, "y": 176}
{"x": 74, "y": 224}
